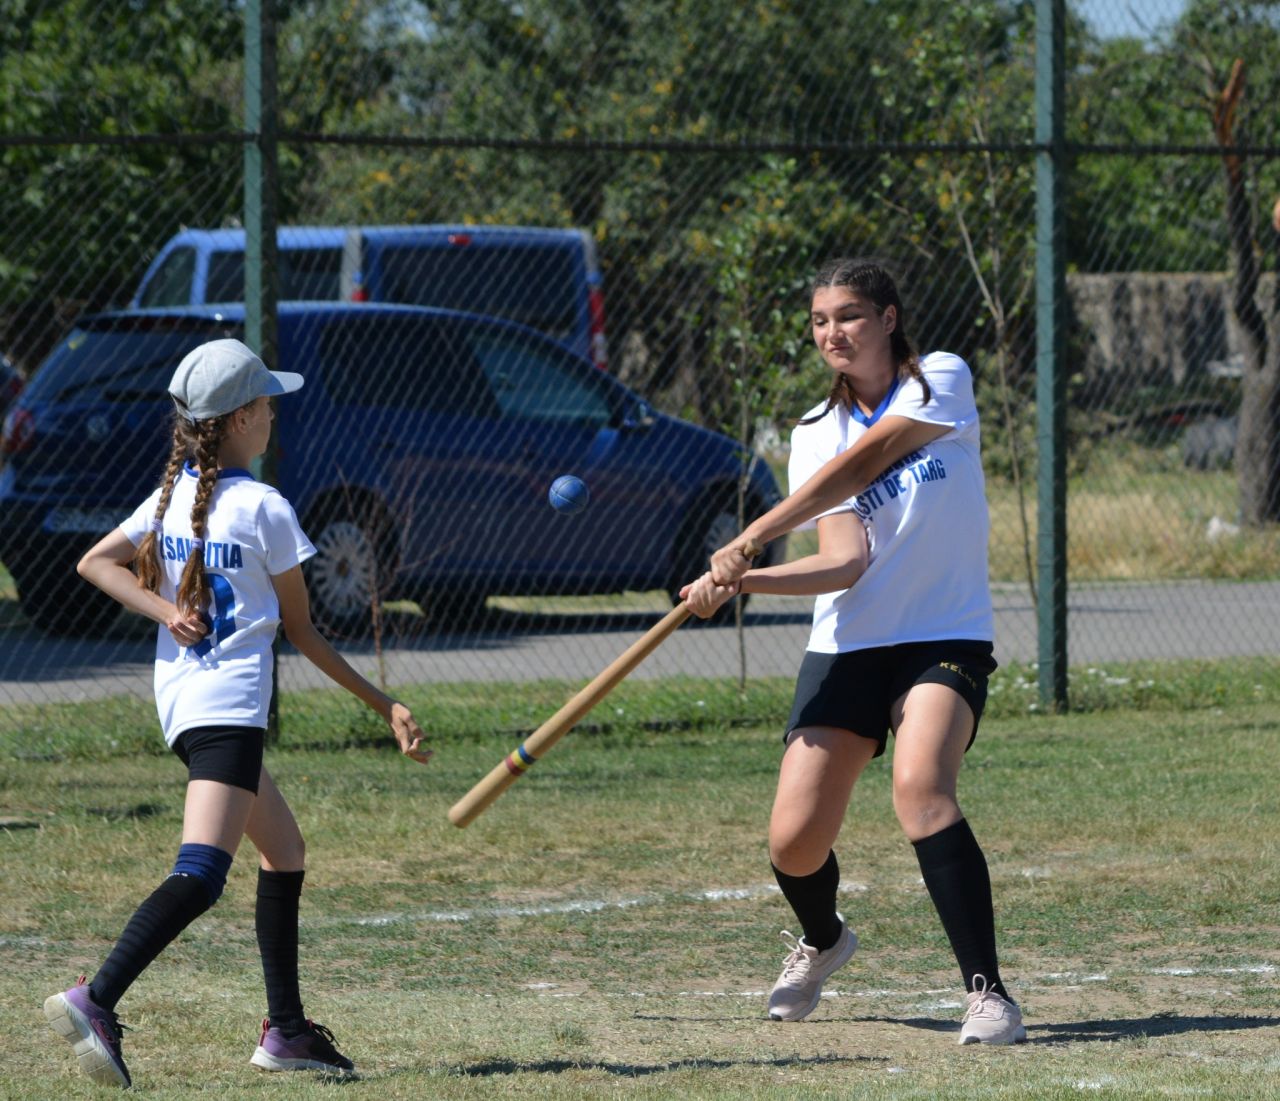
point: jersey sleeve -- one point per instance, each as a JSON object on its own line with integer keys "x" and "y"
{"x": 282, "y": 535}
{"x": 811, "y": 446}
{"x": 139, "y": 521}
{"x": 951, "y": 400}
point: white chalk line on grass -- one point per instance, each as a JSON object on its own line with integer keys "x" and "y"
{"x": 569, "y": 906}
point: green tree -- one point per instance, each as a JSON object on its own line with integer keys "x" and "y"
{"x": 81, "y": 217}
{"x": 1234, "y": 45}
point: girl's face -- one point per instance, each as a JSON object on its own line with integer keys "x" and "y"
{"x": 851, "y": 334}
{"x": 254, "y": 421}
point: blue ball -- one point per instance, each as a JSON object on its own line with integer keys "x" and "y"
{"x": 569, "y": 494}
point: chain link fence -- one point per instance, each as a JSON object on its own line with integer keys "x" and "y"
{"x": 573, "y": 237}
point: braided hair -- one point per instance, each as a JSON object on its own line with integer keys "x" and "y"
{"x": 873, "y": 282}
{"x": 196, "y": 441}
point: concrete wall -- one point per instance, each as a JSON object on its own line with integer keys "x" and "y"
{"x": 1151, "y": 328}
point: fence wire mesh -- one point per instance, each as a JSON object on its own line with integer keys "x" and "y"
{"x": 573, "y": 237}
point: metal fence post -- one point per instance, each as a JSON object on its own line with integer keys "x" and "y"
{"x": 1051, "y": 540}
{"x": 261, "y": 179}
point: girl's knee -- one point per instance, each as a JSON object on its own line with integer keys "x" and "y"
{"x": 798, "y": 853}
{"x": 920, "y": 804}
{"x": 287, "y": 854}
{"x": 921, "y": 813}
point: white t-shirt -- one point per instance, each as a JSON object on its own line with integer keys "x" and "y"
{"x": 252, "y": 535}
{"x": 926, "y": 521}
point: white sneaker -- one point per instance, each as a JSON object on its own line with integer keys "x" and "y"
{"x": 989, "y": 1018}
{"x": 805, "y": 969}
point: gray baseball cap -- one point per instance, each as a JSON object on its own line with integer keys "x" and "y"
{"x": 221, "y": 376}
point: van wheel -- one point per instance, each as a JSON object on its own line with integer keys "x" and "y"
{"x": 709, "y": 524}
{"x": 352, "y": 568}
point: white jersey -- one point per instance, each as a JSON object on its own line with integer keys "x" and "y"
{"x": 926, "y": 521}
{"x": 252, "y": 535}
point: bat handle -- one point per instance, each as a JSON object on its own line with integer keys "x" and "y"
{"x": 751, "y": 550}
{"x": 467, "y": 809}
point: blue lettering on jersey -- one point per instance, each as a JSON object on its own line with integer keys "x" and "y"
{"x": 916, "y": 468}
{"x": 224, "y": 556}
{"x": 221, "y": 619}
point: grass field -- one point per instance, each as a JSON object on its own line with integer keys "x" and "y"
{"x": 609, "y": 927}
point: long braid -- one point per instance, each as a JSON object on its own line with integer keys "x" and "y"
{"x": 146, "y": 562}
{"x": 208, "y": 435}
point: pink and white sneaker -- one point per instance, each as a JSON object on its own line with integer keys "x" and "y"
{"x": 989, "y": 1018}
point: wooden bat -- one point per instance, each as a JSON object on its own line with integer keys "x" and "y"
{"x": 467, "y": 809}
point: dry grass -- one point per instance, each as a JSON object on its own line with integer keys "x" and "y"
{"x": 607, "y": 928}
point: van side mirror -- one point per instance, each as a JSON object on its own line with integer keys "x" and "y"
{"x": 637, "y": 418}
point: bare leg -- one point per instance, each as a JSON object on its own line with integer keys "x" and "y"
{"x": 216, "y": 814}
{"x": 274, "y": 831}
{"x": 933, "y": 728}
{"x": 932, "y": 725}
{"x": 819, "y": 768}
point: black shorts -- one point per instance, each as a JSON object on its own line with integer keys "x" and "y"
{"x": 854, "y": 691}
{"x": 229, "y": 754}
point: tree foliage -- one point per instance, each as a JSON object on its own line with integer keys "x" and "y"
{"x": 526, "y": 104}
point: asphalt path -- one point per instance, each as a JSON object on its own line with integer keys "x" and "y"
{"x": 1106, "y": 622}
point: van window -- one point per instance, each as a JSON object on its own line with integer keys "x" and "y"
{"x": 171, "y": 284}
{"x": 405, "y": 362}
{"x": 305, "y": 273}
{"x": 536, "y": 380}
{"x": 534, "y": 285}
{"x": 128, "y": 359}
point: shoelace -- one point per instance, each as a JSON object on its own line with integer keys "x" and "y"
{"x": 326, "y": 1038}
{"x": 796, "y": 965}
{"x": 987, "y": 1004}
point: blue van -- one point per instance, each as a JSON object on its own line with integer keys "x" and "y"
{"x": 196, "y": 266}
{"x": 418, "y": 456}
{"x": 548, "y": 279}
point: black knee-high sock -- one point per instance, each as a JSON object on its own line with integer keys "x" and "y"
{"x": 171, "y": 907}
{"x": 276, "y": 922}
{"x": 813, "y": 898}
{"x": 955, "y": 872}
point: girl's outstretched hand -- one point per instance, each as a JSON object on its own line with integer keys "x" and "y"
{"x": 408, "y": 734}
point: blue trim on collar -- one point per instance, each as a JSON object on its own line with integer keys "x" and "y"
{"x": 868, "y": 421}
{"x": 225, "y": 472}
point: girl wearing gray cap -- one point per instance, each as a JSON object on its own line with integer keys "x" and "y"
{"x": 218, "y": 559}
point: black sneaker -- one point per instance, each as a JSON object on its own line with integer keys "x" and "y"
{"x": 309, "y": 1050}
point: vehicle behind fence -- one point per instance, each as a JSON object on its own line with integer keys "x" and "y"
{"x": 692, "y": 201}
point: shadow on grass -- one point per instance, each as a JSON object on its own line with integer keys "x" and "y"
{"x": 1141, "y": 1028}
{"x": 1102, "y": 1031}
{"x": 493, "y": 1067}
{"x": 137, "y": 812}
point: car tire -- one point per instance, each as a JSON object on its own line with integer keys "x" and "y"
{"x": 710, "y": 522}
{"x": 353, "y": 566}
{"x": 59, "y": 602}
